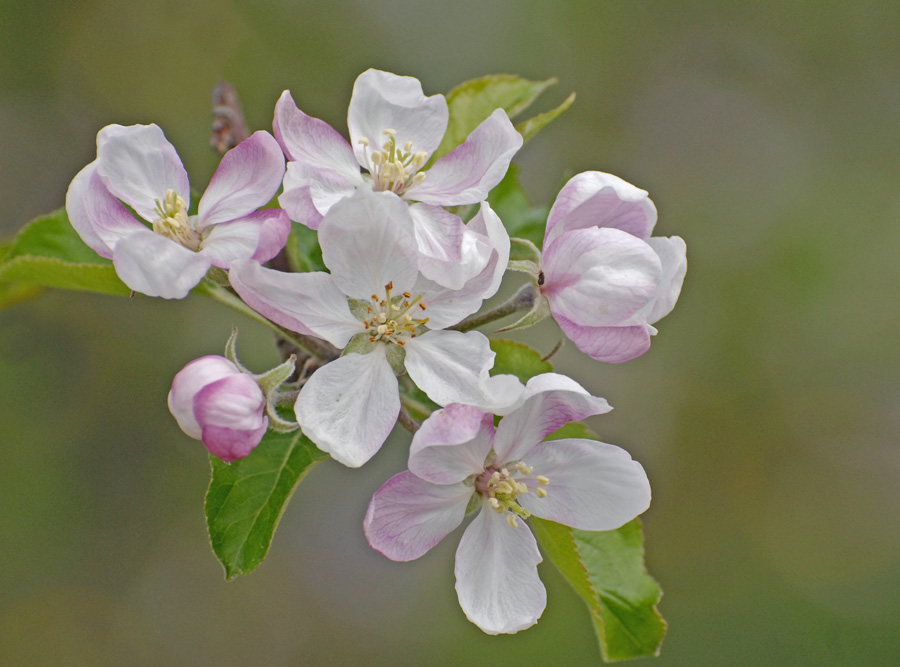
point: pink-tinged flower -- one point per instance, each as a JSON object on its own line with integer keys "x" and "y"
{"x": 136, "y": 166}
{"x": 606, "y": 281}
{"x": 213, "y": 401}
{"x": 459, "y": 462}
{"x": 394, "y": 129}
{"x": 377, "y": 307}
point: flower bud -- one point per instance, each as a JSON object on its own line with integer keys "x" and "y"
{"x": 213, "y": 401}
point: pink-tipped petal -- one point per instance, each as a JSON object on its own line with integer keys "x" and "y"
{"x": 231, "y": 415}
{"x": 349, "y": 406}
{"x": 451, "y": 444}
{"x": 613, "y": 345}
{"x": 248, "y": 177}
{"x": 310, "y": 192}
{"x": 157, "y": 266}
{"x": 190, "y": 380}
{"x": 408, "y": 516}
{"x": 599, "y": 277}
{"x": 383, "y": 101}
{"x": 259, "y": 236}
{"x": 98, "y": 217}
{"x": 229, "y": 444}
{"x": 368, "y": 242}
{"x": 139, "y": 165}
{"x": 595, "y": 199}
{"x": 550, "y": 402}
{"x": 308, "y": 303}
{"x": 471, "y": 170}
{"x": 496, "y": 575}
{"x": 593, "y": 485}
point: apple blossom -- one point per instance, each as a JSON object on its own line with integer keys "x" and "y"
{"x": 386, "y": 317}
{"x": 459, "y": 461}
{"x": 394, "y": 130}
{"x": 136, "y": 166}
{"x": 214, "y": 401}
{"x": 604, "y": 279}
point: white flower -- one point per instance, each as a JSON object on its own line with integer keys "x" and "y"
{"x": 458, "y": 460}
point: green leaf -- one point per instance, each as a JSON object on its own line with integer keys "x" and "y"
{"x": 303, "y": 251}
{"x": 49, "y": 252}
{"x": 607, "y": 571}
{"x": 246, "y": 498}
{"x": 534, "y": 125}
{"x": 473, "y": 101}
{"x": 517, "y": 359}
{"x": 520, "y": 218}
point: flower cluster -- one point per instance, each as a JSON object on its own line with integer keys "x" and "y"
{"x": 412, "y": 249}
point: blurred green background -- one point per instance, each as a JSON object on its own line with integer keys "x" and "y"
{"x": 766, "y": 413}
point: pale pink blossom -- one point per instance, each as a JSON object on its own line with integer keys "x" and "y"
{"x": 164, "y": 251}
{"x": 394, "y": 130}
{"x": 459, "y": 461}
{"x": 387, "y": 318}
{"x": 605, "y": 279}
{"x": 213, "y": 401}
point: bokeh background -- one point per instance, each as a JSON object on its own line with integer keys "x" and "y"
{"x": 766, "y": 413}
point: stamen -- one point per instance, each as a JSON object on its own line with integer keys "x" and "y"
{"x": 541, "y": 492}
{"x": 543, "y": 481}
{"x": 511, "y": 520}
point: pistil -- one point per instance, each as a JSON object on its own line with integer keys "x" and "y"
{"x": 173, "y": 221}
{"x": 392, "y": 168}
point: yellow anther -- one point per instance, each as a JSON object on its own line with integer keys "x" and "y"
{"x": 543, "y": 481}
{"x": 495, "y": 504}
{"x": 407, "y": 146}
{"x": 511, "y": 520}
{"x": 541, "y": 493}
{"x": 504, "y": 487}
{"x": 419, "y": 178}
{"x": 389, "y": 132}
{"x": 521, "y": 487}
{"x": 364, "y": 141}
{"x": 377, "y": 158}
{"x": 382, "y": 317}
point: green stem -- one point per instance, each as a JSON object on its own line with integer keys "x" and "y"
{"x": 319, "y": 349}
{"x": 521, "y": 300}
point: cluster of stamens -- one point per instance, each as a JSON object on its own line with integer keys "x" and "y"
{"x": 501, "y": 488}
{"x": 173, "y": 221}
{"x": 391, "y": 319}
{"x": 394, "y": 169}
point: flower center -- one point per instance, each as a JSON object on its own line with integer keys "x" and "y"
{"x": 392, "y": 319}
{"x": 173, "y": 221}
{"x": 392, "y": 168}
{"x": 501, "y": 487}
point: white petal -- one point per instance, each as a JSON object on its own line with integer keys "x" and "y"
{"x": 488, "y": 224}
{"x": 383, "y": 101}
{"x": 471, "y": 170}
{"x": 595, "y": 199}
{"x": 367, "y": 242}
{"x": 349, "y": 406}
{"x": 673, "y": 255}
{"x": 408, "y": 516}
{"x": 550, "y": 402}
{"x": 308, "y": 303}
{"x": 496, "y": 575}
{"x": 593, "y": 485}
{"x": 156, "y": 266}
{"x": 247, "y": 178}
{"x": 139, "y": 165}
{"x": 310, "y": 192}
{"x": 450, "y": 366}
{"x": 259, "y": 235}
{"x": 451, "y": 444}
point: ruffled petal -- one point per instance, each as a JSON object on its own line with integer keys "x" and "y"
{"x": 98, "y": 217}
{"x": 496, "y": 575}
{"x": 488, "y": 224}
{"x": 599, "y": 277}
{"x": 408, "y": 516}
{"x": 139, "y": 165}
{"x": 349, "y": 406}
{"x": 309, "y": 192}
{"x": 471, "y": 170}
{"x": 452, "y": 444}
{"x": 550, "y": 402}
{"x": 248, "y": 177}
{"x": 613, "y": 345}
{"x": 595, "y": 199}
{"x": 383, "y": 101}
{"x": 156, "y": 266}
{"x": 311, "y": 141}
{"x": 308, "y": 303}
{"x": 593, "y": 485}
{"x": 367, "y": 242}
{"x": 259, "y": 236}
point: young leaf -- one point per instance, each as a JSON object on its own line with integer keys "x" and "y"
{"x": 607, "y": 571}
{"x": 473, "y": 101}
{"x": 517, "y": 359}
{"x": 246, "y": 498}
{"x": 48, "y": 252}
{"x": 303, "y": 251}
{"x": 534, "y": 125}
